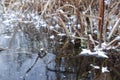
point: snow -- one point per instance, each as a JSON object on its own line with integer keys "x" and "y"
{"x": 69, "y": 23}
{"x": 87, "y": 52}
{"x": 73, "y": 38}
{"x": 117, "y": 38}
{"x": 98, "y": 53}
{"x": 109, "y": 27}
{"x": 104, "y": 69}
{"x": 73, "y": 18}
{"x": 95, "y": 67}
{"x": 41, "y": 49}
{"x": 107, "y": 2}
{"x": 7, "y": 37}
{"x": 52, "y": 37}
{"x": 57, "y": 26}
{"x": 51, "y": 27}
{"x": 95, "y": 31}
{"x": 61, "y": 34}
{"x": 73, "y": 41}
{"x": 103, "y": 46}
{"x": 78, "y": 26}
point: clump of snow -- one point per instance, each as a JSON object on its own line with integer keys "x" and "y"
{"x": 101, "y": 53}
{"x": 117, "y": 38}
{"x": 73, "y": 18}
{"x": 73, "y": 38}
{"x": 52, "y": 37}
{"x": 7, "y": 37}
{"x": 97, "y": 53}
{"x": 51, "y": 27}
{"x": 104, "y": 69}
{"x": 106, "y": 45}
{"x": 103, "y": 46}
{"x": 118, "y": 43}
{"x": 107, "y": 2}
{"x": 95, "y": 31}
{"x": 95, "y": 67}
{"x": 78, "y": 26}
{"x": 41, "y": 49}
{"x": 109, "y": 27}
{"x": 87, "y": 52}
{"x": 57, "y": 26}
{"x": 73, "y": 41}
{"x": 61, "y": 34}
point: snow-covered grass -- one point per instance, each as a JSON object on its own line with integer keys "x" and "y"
{"x": 75, "y": 19}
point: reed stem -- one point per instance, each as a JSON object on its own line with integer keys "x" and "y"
{"x": 101, "y": 21}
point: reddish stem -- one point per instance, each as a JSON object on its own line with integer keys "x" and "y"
{"x": 101, "y": 21}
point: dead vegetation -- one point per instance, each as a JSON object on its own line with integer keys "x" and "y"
{"x": 78, "y": 19}
{"x": 75, "y": 23}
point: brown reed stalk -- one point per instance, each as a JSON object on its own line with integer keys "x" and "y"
{"x": 64, "y": 27}
{"x": 101, "y": 21}
{"x": 76, "y": 3}
{"x": 80, "y": 22}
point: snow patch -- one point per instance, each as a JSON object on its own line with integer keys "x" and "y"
{"x": 87, "y": 52}
{"x": 107, "y": 2}
{"x": 104, "y": 69}
{"x": 101, "y": 53}
{"x": 95, "y": 67}
{"x": 61, "y": 34}
{"x": 117, "y": 38}
{"x": 52, "y": 37}
{"x": 98, "y": 53}
{"x": 7, "y": 37}
{"x": 103, "y": 46}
